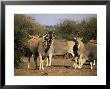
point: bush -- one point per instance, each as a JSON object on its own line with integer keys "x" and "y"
{"x": 19, "y": 45}
{"x": 86, "y": 28}
{"x": 23, "y": 26}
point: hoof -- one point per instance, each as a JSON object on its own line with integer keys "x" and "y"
{"x": 79, "y": 67}
{"x": 35, "y": 68}
{"x": 75, "y": 66}
{"x": 47, "y": 65}
{"x": 91, "y": 68}
{"x": 41, "y": 68}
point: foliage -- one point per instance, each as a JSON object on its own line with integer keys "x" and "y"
{"x": 23, "y": 26}
{"x": 67, "y": 28}
{"x": 86, "y": 28}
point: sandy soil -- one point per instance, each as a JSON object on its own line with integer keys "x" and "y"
{"x": 60, "y": 67}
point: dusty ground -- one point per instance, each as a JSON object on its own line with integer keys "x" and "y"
{"x": 60, "y": 67}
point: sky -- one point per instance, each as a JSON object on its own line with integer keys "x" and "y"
{"x": 53, "y": 19}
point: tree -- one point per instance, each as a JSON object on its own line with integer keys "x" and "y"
{"x": 67, "y": 29}
{"x": 88, "y": 29}
{"x": 23, "y": 26}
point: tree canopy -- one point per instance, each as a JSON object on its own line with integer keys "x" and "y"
{"x": 87, "y": 28}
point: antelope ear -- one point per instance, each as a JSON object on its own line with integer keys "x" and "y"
{"x": 29, "y": 36}
{"x": 81, "y": 38}
{"x": 53, "y": 35}
{"x": 44, "y": 35}
{"x": 74, "y": 38}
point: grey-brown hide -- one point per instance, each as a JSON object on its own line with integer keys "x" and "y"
{"x": 91, "y": 53}
{"x": 49, "y": 37}
{"x": 86, "y": 51}
{"x": 45, "y": 49}
{"x": 80, "y": 58}
{"x": 63, "y": 47}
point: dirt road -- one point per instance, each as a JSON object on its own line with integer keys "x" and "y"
{"x": 60, "y": 67}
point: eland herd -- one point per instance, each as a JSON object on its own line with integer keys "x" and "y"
{"x": 42, "y": 48}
